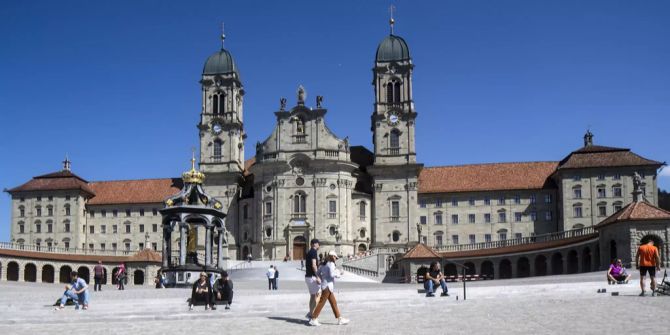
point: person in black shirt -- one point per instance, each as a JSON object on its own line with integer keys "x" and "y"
{"x": 223, "y": 290}
{"x": 311, "y": 279}
{"x": 435, "y": 277}
{"x": 202, "y": 292}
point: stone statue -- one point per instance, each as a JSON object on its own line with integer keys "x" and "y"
{"x": 301, "y": 95}
{"x": 319, "y": 100}
{"x": 637, "y": 181}
{"x": 282, "y": 103}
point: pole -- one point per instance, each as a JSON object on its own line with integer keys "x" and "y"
{"x": 464, "y": 296}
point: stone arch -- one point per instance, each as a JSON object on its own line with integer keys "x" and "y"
{"x": 13, "y": 271}
{"x": 586, "y": 260}
{"x": 421, "y": 271}
{"x": 64, "y": 274}
{"x": 487, "y": 269}
{"x": 48, "y": 273}
{"x": 573, "y": 261}
{"x": 470, "y": 268}
{"x": 362, "y": 248}
{"x": 245, "y": 252}
{"x": 450, "y": 269}
{"x": 30, "y": 273}
{"x": 522, "y": 267}
{"x": 505, "y": 269}
{"x": 557, "y": 264}
{"x": 138, "y": 277}
{"x": 540, "y": 265}
{"x": 84, "y": 273}
{"x": 658, "y": 244}
{"x": 115, "y": 270}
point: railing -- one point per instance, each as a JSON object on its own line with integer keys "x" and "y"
{"x": 518, "y": 241}
{"x": 239, "y": 266}
{"x": 299, "y": 138}
{"x": 62, "y": 250}
{"x": 359, "y": 271}
{"x": 332, "y": 215}
{"x": 394, "y": 151}
{"x": 332, "y": 153}
{"x": 298, "y": 215}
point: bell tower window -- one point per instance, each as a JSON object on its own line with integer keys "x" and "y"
{"x": 218, "y": 104}
{"x": 393, "y": 92}
{"x": 217, "y": 150}
{"x": 394, "y": 142}
{"x": 396, "y": 92}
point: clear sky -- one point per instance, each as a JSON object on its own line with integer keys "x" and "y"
{"x": 114, "y": 84}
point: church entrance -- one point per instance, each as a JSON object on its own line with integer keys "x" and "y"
{"x": 299, "y": 248}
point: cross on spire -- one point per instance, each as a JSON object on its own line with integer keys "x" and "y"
{"x": 67, "y": 164}
{"x": 391, "y": 20}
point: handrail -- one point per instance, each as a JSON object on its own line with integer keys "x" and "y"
{"x": 62, "y": 250}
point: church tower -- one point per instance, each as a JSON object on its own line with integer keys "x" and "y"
{"x": 395, "y": 171}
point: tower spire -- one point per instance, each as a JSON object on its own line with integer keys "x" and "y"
{"x": 223, "y": 34}
{"x": 67, "y": 164}
{"x": 391, "y": 20}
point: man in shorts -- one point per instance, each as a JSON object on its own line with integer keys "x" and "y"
{"x": 311, "y": 279}
{"x": 648, "y": 260}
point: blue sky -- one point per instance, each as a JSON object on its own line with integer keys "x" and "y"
{"x": 115, "y": 84}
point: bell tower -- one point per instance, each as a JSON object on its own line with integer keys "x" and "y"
{"x": 395, "y": 171}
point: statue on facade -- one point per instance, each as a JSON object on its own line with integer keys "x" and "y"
{"x": 319, "y": 100}
{"x": 282, "y": 103}
{"x": 301, "y": 95}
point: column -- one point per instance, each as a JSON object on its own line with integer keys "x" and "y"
{"x": 219, "y": 253}
{"x": 496, "y": 269}
{"x": 514, "y": 265}
{"x": 208, "y": 245}
{"x": 182, "y": 243}
{"x": 565, "y": 263}
{"x": 579, "y": 263}
{"x": 165, "y": 248}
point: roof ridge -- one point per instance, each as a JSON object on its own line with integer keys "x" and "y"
{"x": 492, "y": 163}
{"x": 141, "y": 179}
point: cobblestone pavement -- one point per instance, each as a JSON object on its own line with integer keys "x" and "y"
{"x": 546, "y": 305}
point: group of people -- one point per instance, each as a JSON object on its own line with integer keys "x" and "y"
{"x": 320, "y": 280}
{"x": 648, "y": 260}
{"x": 273, "y": 277}
{"x": 207, "y": 293}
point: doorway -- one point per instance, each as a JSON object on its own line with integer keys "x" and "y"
{"x": 299, "y": 247}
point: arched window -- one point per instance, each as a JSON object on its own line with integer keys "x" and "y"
{"x": 389, "y": 92}
{"x": 38, "y": 210}
{"x": 395, "y": 236}
{"x": 439, "y": 239}
{"x": 577, "y": 210}
{"x": 394, "y": 140}
{"x": 22, "y": 211}
{"x": 362, "y": 233}
{"x": 218, "y": 104}
{"x": 217, "y": 149}
{"x": 22, "y": 227}
{"x": 67, "y": 209}
{"x": 396, "y": 92}
{"x": 38, "y": 226}
{"x": 299, "y": 203}
{"x": 361, "y": 209}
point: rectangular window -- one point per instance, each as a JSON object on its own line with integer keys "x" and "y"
{"x": 472, "y": 238}
{"x": 547, "y": 198}
{"x": 51, "y": 198}
{"x": 141, "y": 228}
{"x": 268, "y": 208}
{"x": 517, "y": 217}
{"x": 422, "y": 219}
{"x": 502, "y": 217}
{"x": 601, "y": 192}
{"x": 91, "y": 229}
{"x": 127, "y": 229}
{"x": 38, "y": 211}
{"x": 487, "y": 238}
{"x": 102, "y": 246}
{"x": 154, "y": 245}
{"x": 115, "y": 213}
{"x": 576, "y": 177}
{"x": 577, "y": 211}
{"x": 154, "y": 228}
{"x": 103, "y": 213}
{"x": 103, "y": 229}
{"x": 454, "y": 239}
{"x": 533, "y": 216}
{"x": 438, "y": 218}
{"x": 66, "y": 245}
{"x": 22, "y": 229}
{"x": 487, "y": 200}
{"x": 502, "y": 236}
{"x": 532, "y": 199}
{"x": 602, "y": 210}
{"x": 332, "y": 206}
{"x": 395, "y": 210}
{"x": 601, "y": 177}
{"x": 471, "y": 201}
{"x": 454, "y": 219}
{"x": 616, "y": 191}
{"x": 501, "y": 200}
{"x": 114, "y": 246}
{"x": 39, "y": 198}
{"x": 92, "y": 214}
{"x": 154, "y": 211}
{"x": 50, "y": 228}
{"x": 616, "y": 176}
{"x": 67, "y": 198}
{"x": 617, "y": 208}
{"x": 517, "y": 199}
{"x": 50, "y": 211}
{"x": 577, "y": 193}
{"x": 67, "y": 211}
{"x": 83, "y": 229}
{"x": 438, "y": 240}
{"x": 141, "y": 211}
{"x": 471, "y": 218}
{"x": 127, "y": 246}
{"x": 127, "y": 212}
{"x": 66, "y": 226}
{"x": 438, "y": 203}
{"x": 547, "y": 216}
{"x": 90, "y": 246}
{"x": 454, "y": 202}
{"x": 487, "y": 218}
{"x": 422, "y": 203}
{"x": 518, "y": 236}
{"x": 115, "y": 229}
{"x": 141, "y": 246}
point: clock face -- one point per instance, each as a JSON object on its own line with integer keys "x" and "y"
{"x": 216, "y": 128}
{"x": 393, "y": 119}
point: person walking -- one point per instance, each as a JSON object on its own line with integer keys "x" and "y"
{"x": 328, "y": 273}
{"x": 98, "y": 276}
{"x": 271, "y": 276}
{"x": 275, "y": 281}
{"x": 121, "y": 276}
{"x": 311, "y": 280}
{"x": 648, "y": 261}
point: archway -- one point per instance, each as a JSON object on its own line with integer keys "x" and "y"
{"x": 245, "y": 252}
{"x": 470, "y": 269}
{"x": 450, "y": 269}
{"x": 13, "y": 271}
{"x": 362, "y": 248}
{"x": 84, "y": 273}
{"x": 421, "y": 272}
{"x": 114, "y": 272}
{"x": 487, "y": 269}
{"x": 505, "y": 269}
{"x": 299, "y": 248}
{"x": 540, "y": 265}
{"x": 658, "y": 243}
{"x": 48, "y": 273}
{"x": 613, "y": 253}
{"x": 30, "y": 273}
{"x": 138, "y": 277}
{"x": 523, "y": 267}
{"x": 64, "y": 274}
{"x": 573, "y": 262}
{"x": 586, "y": 260}
{"x": 557, "y": 264}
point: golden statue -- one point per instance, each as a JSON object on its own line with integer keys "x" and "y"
{"x": 192, "y": 242}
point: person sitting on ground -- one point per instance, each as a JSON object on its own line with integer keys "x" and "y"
{"x": 223, "y": 290}
{"x": 435, "y": 277}
{"x": 202, "y": 292}
{"x": 617, "y": 273}
{"x": 77, "y": 291}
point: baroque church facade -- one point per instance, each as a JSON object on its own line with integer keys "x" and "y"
{"x": 305, "y": 182}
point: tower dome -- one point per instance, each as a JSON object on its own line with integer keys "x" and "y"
{"x": 220, "y": 63}
{"x": 392, "y": 48}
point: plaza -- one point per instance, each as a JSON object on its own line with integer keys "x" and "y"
{"x": 538, "y": 305}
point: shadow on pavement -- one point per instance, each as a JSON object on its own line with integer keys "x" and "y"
{"x": 289, "y": 320}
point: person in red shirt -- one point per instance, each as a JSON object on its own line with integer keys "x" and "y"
{"x": 648, "y": 260}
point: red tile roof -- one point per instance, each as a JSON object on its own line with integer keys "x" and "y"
{"x": 421, "y": 251}
{"x": 62, "y": 180}
{"x": 134, "y": 191}
{"x": 487, "y": 177}
{"x": 601, "y": 156}
{"x": 636, "y": 211}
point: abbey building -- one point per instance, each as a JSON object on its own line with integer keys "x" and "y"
{"x": 303, "y": 181}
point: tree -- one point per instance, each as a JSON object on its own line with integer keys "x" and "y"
{"x": 664, "y": 199}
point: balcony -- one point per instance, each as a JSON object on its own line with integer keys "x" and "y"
{"x": 394, "y": 151}
{"x": 299, "y": 138}
{"x": 332, "y": 215}
{"x": 298, "y": 215}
